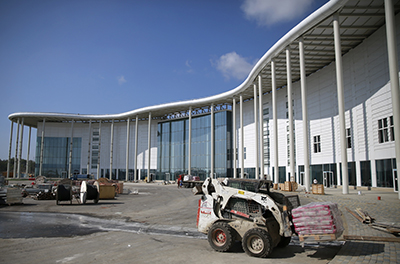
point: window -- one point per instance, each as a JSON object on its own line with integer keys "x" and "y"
{"x": 244, "y": 153}
{"x": 391, "y": 128}
{"x": 266, "y": 111}
{"x": 348, "y": 137}
{"x": 385, "y": 130}
{"x": 317, "y": 144}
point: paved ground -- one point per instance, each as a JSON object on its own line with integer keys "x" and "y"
{"x": 387, "y": 209}
{"x": 158, "y": 225}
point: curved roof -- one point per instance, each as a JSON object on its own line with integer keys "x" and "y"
{"x": 358, "y": 20}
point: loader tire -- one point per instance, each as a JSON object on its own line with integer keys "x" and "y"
{"x": 220, "y": 237}
{"x": 284, "y": 241}
{"x": 257, "y": 242}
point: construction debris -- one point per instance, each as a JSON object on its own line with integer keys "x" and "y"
{"x": 371, "y": 238}
{"x": 387, "y": 227}
{"x": 44, "y": 196}
{"x": 365, "y": 218}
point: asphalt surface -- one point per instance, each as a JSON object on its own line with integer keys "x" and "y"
{"x": 159, "y": 225}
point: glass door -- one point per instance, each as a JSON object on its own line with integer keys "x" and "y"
{"x": 328, "y": 179}
{"x": 395, "y": 180}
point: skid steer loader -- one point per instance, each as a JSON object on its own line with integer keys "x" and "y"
{"x": 245, "y": 210}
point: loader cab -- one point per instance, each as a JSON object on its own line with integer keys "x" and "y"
{"x": 251, "y": 185}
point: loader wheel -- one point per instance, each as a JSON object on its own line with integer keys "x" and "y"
{"x": 257, "y": 242}
{"x": 284, "y": 241}
{"x": 220, "y": 237}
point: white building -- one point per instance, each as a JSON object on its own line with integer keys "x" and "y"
{"x": 327, "y": 92}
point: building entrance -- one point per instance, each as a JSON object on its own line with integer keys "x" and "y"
{"x": 328, "y": 179}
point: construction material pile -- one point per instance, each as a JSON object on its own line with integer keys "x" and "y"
{"x": 318, "y": 219}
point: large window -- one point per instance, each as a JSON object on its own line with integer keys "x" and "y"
{"x": 385, "y": 130}
{"x": 366, "y": 173}
{"x": 56, "y": 156}
{"x": 348, "y": 137}
{"x": 173, "y": 137}
{"x": 317, "y": 144}
{"x": 384, "y": 172}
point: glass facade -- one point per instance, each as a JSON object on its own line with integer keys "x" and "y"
{"x": 366, "y": 173}
{"x": 56, "y": 156}
{"x": 173, "y": 148}
{"x": 384, "y": 172}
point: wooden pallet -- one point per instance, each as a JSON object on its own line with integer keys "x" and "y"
{"x": 320, "y": 237}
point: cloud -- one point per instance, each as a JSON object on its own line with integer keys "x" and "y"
{"x": 233, "y": 65}
{"x": 268, "y": 12}
{"x": 121, "y": 80}
{"x": 189, "y": 66}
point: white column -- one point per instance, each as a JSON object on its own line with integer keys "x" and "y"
{"x": 99, "y": 158}
{"x": 20, "y": 148}
{"x": 255, "y": 132}
{"x": 29, "y": 149}
{"x": 16, "y": 151}
{"x": 234, "y": 137}
{"x": 212, "y": 141}
{"x": 9, "y": 150}
{"x": 373, "y": 173}
{"x": 358, "y": 175}
{"x": 290, "y": 110}
{"x": 394, "y": 78}
{"x": 190, "y": 143}
{"x": 70, "y": 149}
{"x": 275, "y": 117}
{"x": 149, "y": 149}
{"x": 111, "y": 148}
{"x": 41, "y": 149}
{"x": 127, "y": 150}
{"x": 306, "y": 144}
{"x": 241, "y": 137}
{"x": 135, "y": 176}
{"x": 261, "y": 126}
{"x": 341, "y": 108}
{"x": 89, "y": 147}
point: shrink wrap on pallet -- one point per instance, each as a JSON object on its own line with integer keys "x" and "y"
{"x": 317, "y": 219}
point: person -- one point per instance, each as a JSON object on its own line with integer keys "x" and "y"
{"x": 315, "y": 181}
{"x": 180, "y": 181}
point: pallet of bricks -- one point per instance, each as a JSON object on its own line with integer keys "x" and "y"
{"x": 318, "y": 222}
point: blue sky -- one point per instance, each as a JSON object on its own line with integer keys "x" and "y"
{"x": 106, "y": 57}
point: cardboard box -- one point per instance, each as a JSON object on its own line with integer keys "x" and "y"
{"x": 288, "y": 186}
{"x": 294, "y": 186}
{"x": 107, "y": 192}
{"x": 318, "y": 189}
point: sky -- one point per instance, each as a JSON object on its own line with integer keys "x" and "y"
{"x": 109, "y": 57}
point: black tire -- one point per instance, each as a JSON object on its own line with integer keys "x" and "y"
{"x": 97, "y": 198}
{"x": 70, "y": 195}
{"x": 220, "y": 237}
{"x": 257, "y": 242}
{"x": 57, "y": 202}
{"x": 284, "y": 241}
